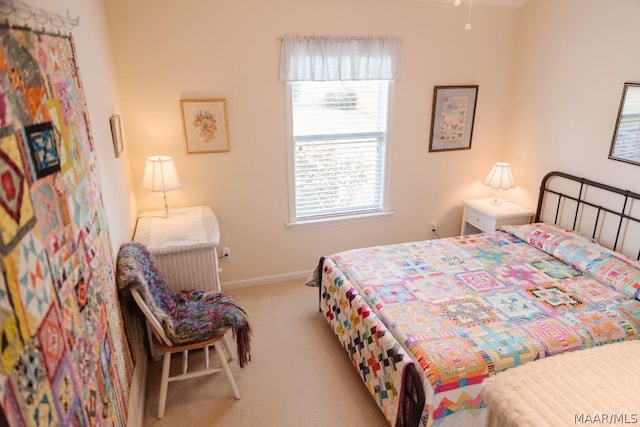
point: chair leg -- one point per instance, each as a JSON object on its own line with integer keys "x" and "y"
{"x": 227, "y": 371}
{"x": 206, "y": 357}
{"x": 164, "y": 383}
{"x": 226, "y": 341}
{"x": 185, "y": 361}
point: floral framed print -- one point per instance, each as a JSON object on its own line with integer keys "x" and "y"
{"x": 205, "y": 125}
{"x": 452, "y": 117}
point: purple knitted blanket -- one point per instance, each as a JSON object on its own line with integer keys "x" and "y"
{"x": 186, "y": 316}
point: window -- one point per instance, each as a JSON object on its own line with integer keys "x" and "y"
{"x": 338, "y": 97}
{"x": 339, "y": 141}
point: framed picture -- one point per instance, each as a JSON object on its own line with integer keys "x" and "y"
{"x": 205, "y": 125}
{"x": 116, "y": 135}
{"x": 625, "y": 145}
{"x": 454, "y": 109}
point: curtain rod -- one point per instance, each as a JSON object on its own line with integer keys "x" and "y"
{"x": 24, "y": 12}
{"x": 281, "y": 38}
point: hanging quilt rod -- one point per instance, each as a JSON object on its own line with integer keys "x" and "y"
{"x": 24, "y": 12}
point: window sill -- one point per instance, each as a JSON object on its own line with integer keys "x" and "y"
{"x": 295, "y": 225}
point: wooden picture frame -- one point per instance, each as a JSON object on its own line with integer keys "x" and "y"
{"x": 116, "y": 135}
{"x": 452, "y": 117}
{"x": 205, "y": 125}
{"x": 625, "y": 145}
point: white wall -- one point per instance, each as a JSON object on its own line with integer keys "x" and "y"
{"x": 574, "y": 57}
{"x": 166, "y": 51}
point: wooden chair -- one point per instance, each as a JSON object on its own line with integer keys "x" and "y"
{"x": 167, "y": 313}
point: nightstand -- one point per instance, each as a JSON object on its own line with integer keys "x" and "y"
{"x": 482, "y": 215}
{"x": 184, "y": 245}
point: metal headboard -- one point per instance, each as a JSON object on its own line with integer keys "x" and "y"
{"x": 609, "y": 214}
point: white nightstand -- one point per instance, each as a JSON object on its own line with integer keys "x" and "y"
{"x": 482, "y": 215}
{"x": 184, "y": 245}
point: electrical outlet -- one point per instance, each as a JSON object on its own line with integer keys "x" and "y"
{"x": 226, "y": 254}
{"x": 432, "y": 227}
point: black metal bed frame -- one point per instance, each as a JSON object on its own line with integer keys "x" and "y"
{"x": 582, "y": 200}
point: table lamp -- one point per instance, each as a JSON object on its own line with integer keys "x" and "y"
{"x": 160, "y": 174}
{"x": 499, "y": 178}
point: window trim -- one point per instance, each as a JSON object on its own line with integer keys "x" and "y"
{"x": 385, "y": 211}
{"x": 337, "y": 220}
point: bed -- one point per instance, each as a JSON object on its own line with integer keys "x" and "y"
{"x": 579, "y": 387}
{"x": 424, "y": 323}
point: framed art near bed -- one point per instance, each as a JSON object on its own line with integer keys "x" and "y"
{"x": 625, "y": 145}
{"x": 205, "y": 125}
{"x": 452, "y": 117}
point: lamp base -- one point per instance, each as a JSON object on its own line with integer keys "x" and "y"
{"x": 496, "y": 200}
{"x": 166, "y": 206}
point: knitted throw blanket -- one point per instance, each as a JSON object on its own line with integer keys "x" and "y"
{"x": 186, "y": 316}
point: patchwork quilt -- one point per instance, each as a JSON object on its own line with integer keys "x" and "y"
{"x": 468, "y": 307}
{"x": 64, "y": 356}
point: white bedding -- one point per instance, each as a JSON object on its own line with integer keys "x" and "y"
{"x": 597, "y": 386}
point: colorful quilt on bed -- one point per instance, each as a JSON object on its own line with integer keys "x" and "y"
{"x": 471, "y": 306}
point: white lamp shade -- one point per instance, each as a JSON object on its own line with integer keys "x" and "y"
{"x": 160, "y": 174}
{"x": 500, "y": 178}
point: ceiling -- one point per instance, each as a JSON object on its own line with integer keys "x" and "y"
{"x": 509, "y": 3}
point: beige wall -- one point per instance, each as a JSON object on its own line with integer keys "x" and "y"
{"x": 166, "y": 51}
{"x": 574, "y": 57}
{"x": 550, "y": 77}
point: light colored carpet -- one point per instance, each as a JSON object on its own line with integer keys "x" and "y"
{"x": 299, "y": 374}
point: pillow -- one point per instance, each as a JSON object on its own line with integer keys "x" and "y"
{"x": 607, "y": 266}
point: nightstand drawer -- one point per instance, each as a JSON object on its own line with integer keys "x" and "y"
{"x": 484, "y": 215}
{"x": 479, "y": 220}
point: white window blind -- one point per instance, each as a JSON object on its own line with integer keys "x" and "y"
{"x": 338, "y": 97}
{"x": 339, "y": 140}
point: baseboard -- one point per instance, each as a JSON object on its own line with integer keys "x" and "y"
{"x": 138, "y": 392}
{"x": 265, "y": 280}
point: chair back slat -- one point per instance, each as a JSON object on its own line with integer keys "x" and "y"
{"x": 156, "y": 327}
{"x": 137, "y": 270}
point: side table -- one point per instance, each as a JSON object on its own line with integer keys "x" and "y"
{"x": 184, "y": 245}
{"x": 482, "y": 215}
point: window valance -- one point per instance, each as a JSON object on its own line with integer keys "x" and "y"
{"x": 325, "y": 58}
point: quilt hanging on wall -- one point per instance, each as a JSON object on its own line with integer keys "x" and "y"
{"x": 64, "y": 358}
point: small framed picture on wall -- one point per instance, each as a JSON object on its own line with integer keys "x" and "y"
{"x": 625, "y": 145}
{"x": 205, "y": 125}
{"x": 116, "y": 135}
{"x": 452, "y": 117}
